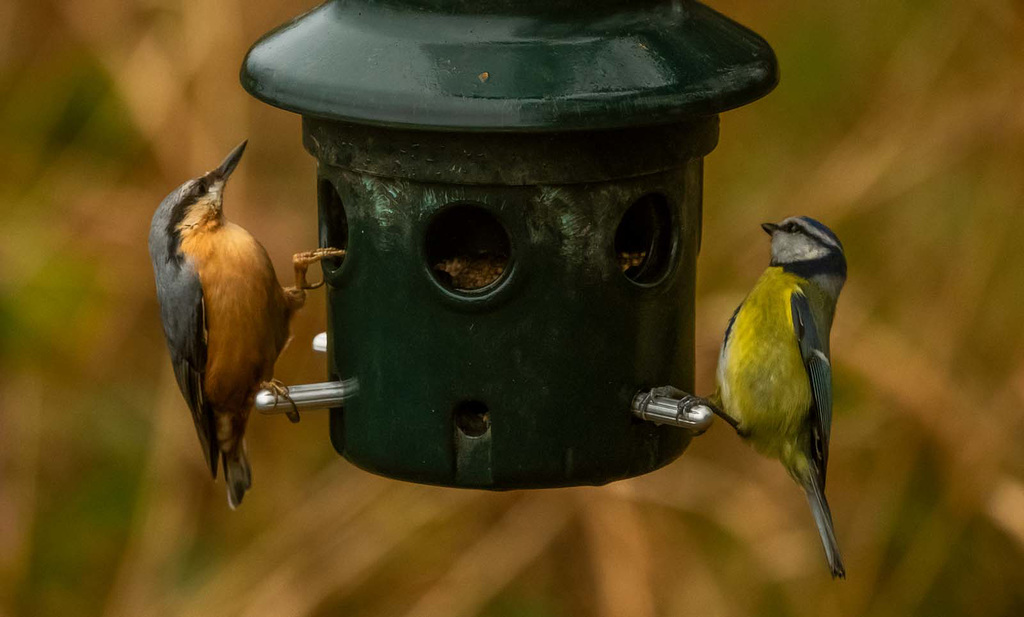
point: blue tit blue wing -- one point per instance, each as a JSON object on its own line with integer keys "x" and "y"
{"x": 184, "y": 317}
{"x": 819, "y": 372}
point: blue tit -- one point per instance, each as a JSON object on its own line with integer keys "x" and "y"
{"x": 774, "y": 374}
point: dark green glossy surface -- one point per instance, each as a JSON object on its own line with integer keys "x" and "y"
{"x": 556, "y": 349}
{"x": 491, "y": 65}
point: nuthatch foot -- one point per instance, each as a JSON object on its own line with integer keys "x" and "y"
{"x": 225, "y": 316}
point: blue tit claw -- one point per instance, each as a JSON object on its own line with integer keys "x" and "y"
{"x": 668, "y": 405}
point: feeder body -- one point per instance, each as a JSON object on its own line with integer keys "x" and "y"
{"x": 554, "y": 350}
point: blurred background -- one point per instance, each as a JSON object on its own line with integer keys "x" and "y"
{"x": 900, "y": 124}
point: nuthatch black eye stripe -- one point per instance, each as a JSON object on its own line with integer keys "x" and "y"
{"x": 191, "y": 192}
{"x": 198, "y": 189}
{"x": 177, "y": 215}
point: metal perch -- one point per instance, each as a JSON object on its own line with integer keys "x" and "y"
{"x": 305, "y": 397}
{"x": 671, "y": 406}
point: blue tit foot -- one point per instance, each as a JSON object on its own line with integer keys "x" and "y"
{"x": 669, "y": 392}
{"x": 731, "y": 421}
{"x": 674, "y": 407}
{"x": 676, "y": 393}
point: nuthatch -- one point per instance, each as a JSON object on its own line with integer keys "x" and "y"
{"x": 774, "y": 375}
{"x": 224, "y": 314}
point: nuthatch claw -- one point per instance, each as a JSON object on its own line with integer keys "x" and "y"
{"x": 310, "y": 396}
{"x": 280, "y": 391}
{"x": 303, "y": 260}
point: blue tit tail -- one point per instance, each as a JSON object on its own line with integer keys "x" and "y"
{"x": 237, "y": 473}
{"x": 823, "y": 519}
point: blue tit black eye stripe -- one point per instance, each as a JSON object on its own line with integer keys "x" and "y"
{"x": 818, "y": 231}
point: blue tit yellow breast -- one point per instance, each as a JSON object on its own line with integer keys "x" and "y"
{"x": 761, "y": 376}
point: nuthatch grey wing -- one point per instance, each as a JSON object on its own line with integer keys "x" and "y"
{"x": 225, "y": 316}
{"x": 774, "y": 374}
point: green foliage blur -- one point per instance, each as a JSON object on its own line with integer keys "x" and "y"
{"x": 900, "y": 124}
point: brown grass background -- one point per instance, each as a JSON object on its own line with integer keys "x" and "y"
{"x": 901, "y": 124}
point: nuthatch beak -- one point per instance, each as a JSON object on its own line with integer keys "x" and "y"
{"x": 218, "y": 177}
{"x": 228, "y": 165}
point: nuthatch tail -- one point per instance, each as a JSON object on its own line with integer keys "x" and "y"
{"x": 225, "y": 316}
{"x": 774, "y": 375}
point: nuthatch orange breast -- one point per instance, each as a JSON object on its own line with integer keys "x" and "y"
{"x": 224, "y": 314}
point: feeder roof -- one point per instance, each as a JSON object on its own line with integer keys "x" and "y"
{"x": 501, "y": 65}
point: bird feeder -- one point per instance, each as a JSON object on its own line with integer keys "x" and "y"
{"x": 518, "y": 188}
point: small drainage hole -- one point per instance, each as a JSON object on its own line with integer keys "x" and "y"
{"x": 472, "y": 418}
{"x": 466, "y": 247}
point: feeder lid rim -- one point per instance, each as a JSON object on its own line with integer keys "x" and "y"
{"x": 377, "y": 63}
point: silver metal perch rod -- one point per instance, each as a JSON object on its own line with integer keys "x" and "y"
{"x": 689, "y": 412}
{"x": 305, "y": 397}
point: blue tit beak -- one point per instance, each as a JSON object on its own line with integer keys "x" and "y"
{"x": 225, "y": 168}
{"x": 769, "y": 228}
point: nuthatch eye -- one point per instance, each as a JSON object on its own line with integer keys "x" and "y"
{"x": 224, "y": 314}
{"x": 774, "y": 372}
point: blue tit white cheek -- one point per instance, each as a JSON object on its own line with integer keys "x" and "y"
{"x": 794, "y": 247}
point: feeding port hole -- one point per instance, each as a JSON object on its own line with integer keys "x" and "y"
{"x": 467, "y": 248}
{"x": 644, "y": 240}
{"x": 334, "y": 232}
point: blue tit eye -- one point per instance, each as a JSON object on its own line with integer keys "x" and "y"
{"x": 790, "y": 228}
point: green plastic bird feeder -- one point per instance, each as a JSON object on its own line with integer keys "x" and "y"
{"x": 518, "y": 187}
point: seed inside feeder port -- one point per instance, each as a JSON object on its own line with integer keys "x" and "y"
{"x": 469, "y": 272}
{"x": 631, "y": 260}
{"x": 468, "y": 248}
